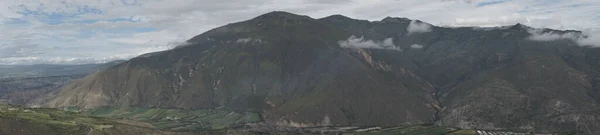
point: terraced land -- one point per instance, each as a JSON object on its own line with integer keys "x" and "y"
{"x": 180, "y": 119}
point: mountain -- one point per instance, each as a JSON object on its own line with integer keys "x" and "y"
{"x": 287, "y": 65}
{"x": 31, "y": 84}
{"x": 497, "y": 78}
{"x": 305, "y": 72}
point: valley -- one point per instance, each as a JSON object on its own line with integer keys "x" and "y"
{"x": 22, "y": 121}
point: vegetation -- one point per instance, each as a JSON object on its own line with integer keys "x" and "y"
{"x": 48, "y": 121}
{"x": 180, "y": 119}
{"x": 203, "y": 121}
{"x": 53, "y": 117}
{"x": 15, "y": 120}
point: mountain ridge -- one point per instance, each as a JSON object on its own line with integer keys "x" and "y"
{"x": 294, "y": 70}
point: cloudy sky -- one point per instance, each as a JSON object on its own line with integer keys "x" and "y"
{"x": 92, "y": 31}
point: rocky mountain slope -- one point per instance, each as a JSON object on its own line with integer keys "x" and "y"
{"x": 300, "y": 71}
{"x": 497, "y": 78}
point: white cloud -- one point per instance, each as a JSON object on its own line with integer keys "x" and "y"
{"x": 418, "y": 27}
{"x": 490, "y": 21}
{"x": 593, "y": 40}
{"x": 6, "y": 12}
{"x": 354, "y": 42}
{"x": 416, "y": 46}
{"x": 538, "y": 35}
{"x": 589, "y": 38}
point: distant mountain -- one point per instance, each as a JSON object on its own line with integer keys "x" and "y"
{"x": 31, "y": 84}
{"x": 42, "y": 70}
{"x": 304, "y": 72}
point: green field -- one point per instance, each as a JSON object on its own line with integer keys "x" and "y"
{"x": 180, "y": 119}
{"x": 53, "y": 120}
{"x": 53, "y": 116}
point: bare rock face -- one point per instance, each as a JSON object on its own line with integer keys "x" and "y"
{"x": 294, "y": 71}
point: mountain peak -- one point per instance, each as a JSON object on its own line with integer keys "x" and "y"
{"x": 395, "y": 19}
{"x": 338, "y": 17}
{"x": 260, "y": 26}
{"x": 519, "y": 26}
{"x": 281, "y": 15}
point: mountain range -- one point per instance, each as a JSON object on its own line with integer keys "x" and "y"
{"x": 337, "y": 71}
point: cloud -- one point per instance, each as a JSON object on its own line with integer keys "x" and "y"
{"x": 354, "y": 42}
{"x": 416, "y": 46}
{"x": 466, "y": 1}
{"x": 75, "y": 52}
{"x": 418, "y": 27}
{"x": 583, "y": 39}
{"x": 505, "y": 20}
{"x": 19, "y": 48}
{"x": 592, "y": 40}
{"x": 539, "y": 35}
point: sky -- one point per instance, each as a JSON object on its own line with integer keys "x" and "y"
{"x": 96, "y": 31}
